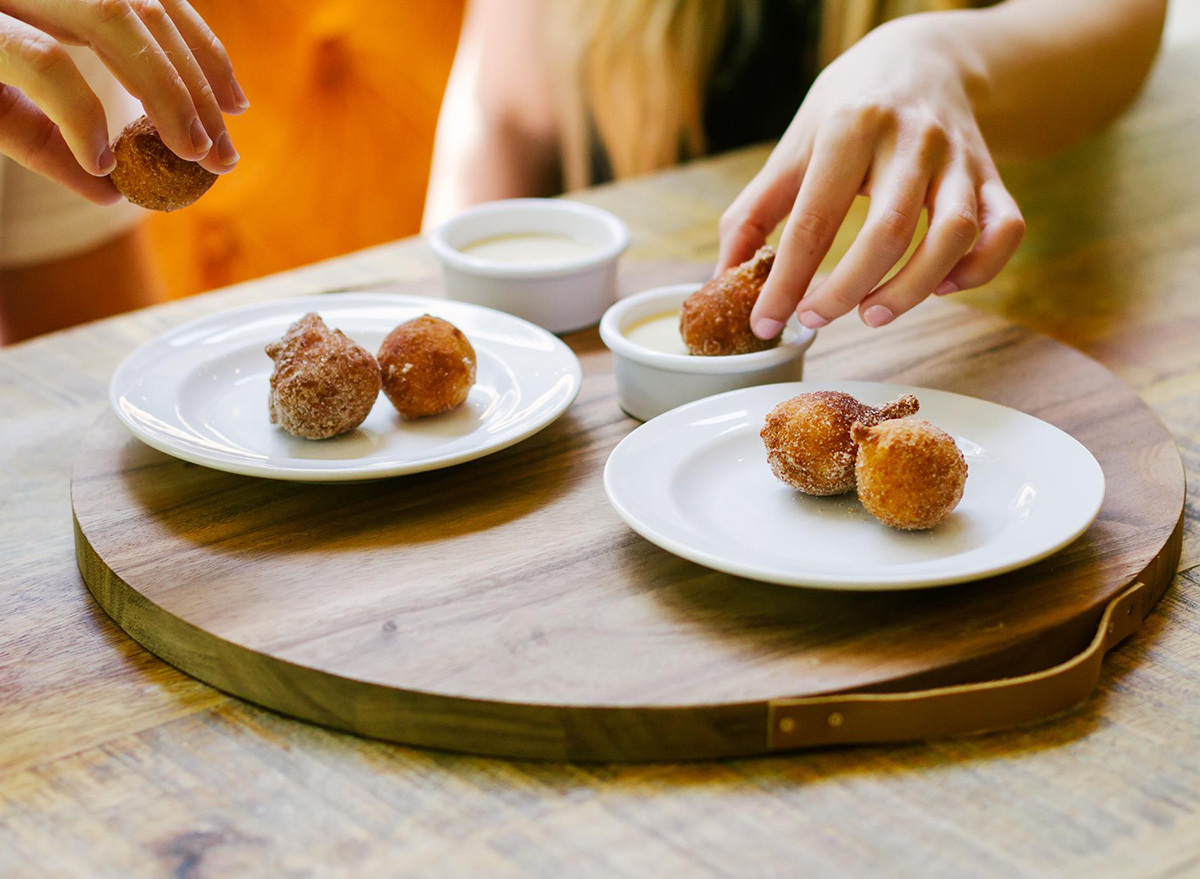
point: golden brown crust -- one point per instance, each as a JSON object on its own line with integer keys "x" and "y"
{"x": 901, "y": 407}
{"x": 150, "y": 175}
{"x": 715, "y": 320}
{"x": 808, "y": 440}
{"x": 324, "y": 384}
{"x": 428, "y": 366}
{"x": 910, "y": 473}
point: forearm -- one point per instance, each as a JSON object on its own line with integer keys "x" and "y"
{"x": 476, "y": 161}
{"x": 1043, "y": 74}
{"x": 496, "y": 136}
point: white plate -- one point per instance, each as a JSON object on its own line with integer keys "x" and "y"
{"x": 199, "y": 392}
{"x": 695, "y": 481}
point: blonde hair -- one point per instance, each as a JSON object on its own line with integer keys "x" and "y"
{"x": 631, "y": 75}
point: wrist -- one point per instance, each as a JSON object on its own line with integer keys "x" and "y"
{"x": 945, "y": 43}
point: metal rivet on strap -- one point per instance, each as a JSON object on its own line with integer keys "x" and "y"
{"x": 836, "y": 719}
{"x": 787, "y": 724}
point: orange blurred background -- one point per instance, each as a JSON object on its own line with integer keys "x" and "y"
{"x": 336, "y": 145}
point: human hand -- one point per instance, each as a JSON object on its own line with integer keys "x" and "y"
{"x": 891, "y": 118}
{"x": 161, "y": 51}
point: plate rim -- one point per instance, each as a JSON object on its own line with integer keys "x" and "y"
{"x": 765, "y": 574}
{"x": 380, "y": 470}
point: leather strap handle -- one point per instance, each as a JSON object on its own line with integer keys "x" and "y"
{"x": 964, "y": 708}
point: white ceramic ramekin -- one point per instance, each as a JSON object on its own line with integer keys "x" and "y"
{"x": 560, "y": 296}
{"x": 650, "y": 382}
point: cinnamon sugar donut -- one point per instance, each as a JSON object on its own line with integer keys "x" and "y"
{"x": 150, "y": 175}
{"x": 715, "y": 320}
{"x": 910, "y": 474}
{"x": 323, "y": 384}
{"x": 428, "y": 366}
{"x": 808, "y": 439}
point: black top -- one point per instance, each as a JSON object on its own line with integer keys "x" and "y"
{"x": 762, "y": 74}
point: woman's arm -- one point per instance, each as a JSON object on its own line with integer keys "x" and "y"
{"x": 1046, "y": 73}
{"x": 910, "y": 116}
{"x": 496, "y": 135}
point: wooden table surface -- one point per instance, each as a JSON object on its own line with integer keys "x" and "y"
{"x": 114, "y": 764}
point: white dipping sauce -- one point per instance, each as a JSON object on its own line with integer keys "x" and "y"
{"x": 658, "y": 333}
{"x": 528, "y": 248}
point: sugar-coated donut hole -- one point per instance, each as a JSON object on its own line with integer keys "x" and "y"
{"x": 809, "y": 443}
{"x": 150, "y": 175}
{"x": 910, "y": 474}
{"x": 715, "y": 320}
{"x": 324, "y": 384}
{"x": 427, "y": 365}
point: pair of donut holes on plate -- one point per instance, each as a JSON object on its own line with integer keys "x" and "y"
{"x": 325, "y": 384}
{"x": 909, "y": 474}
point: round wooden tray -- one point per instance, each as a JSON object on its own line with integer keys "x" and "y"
{"x": 501, "y": 607}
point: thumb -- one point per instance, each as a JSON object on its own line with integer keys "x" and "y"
{"x": 31, "y": 139}
{"x": 755, "y": 213}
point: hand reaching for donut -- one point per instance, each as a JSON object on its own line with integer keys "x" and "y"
{"x": 161, "y": 51}
{"x": 893, "y": 119}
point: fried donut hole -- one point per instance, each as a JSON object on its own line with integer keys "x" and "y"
{"x": 910, "y": 473}
{"x": 324, "y": 384}
{"x": 715, "y": 320}
{"x": 150, "y": 175}
{"x": 809, "y": 445}
{"x": 428, "y": 366}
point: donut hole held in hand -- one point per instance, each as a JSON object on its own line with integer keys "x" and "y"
{"x": 715, "y": 320}
{"x": 150, "y": 175}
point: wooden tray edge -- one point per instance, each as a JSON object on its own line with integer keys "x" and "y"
{"x": 500, "y": 729}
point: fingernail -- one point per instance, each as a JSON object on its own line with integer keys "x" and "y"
{"x": 225, "y": 151}
{"x": 107, "y": 161}
{"x": 877, "y": 316}
{"x": 200, "y": 139}
{"x": 946, "y": 288}
{"x": 239, "y": 96}
{"x": 767, "y": 328}
{"x": 811, "y": 320}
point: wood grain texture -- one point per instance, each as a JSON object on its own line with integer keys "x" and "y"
{"x": 112, "y": 763}
{"x": 501, "y": 607}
